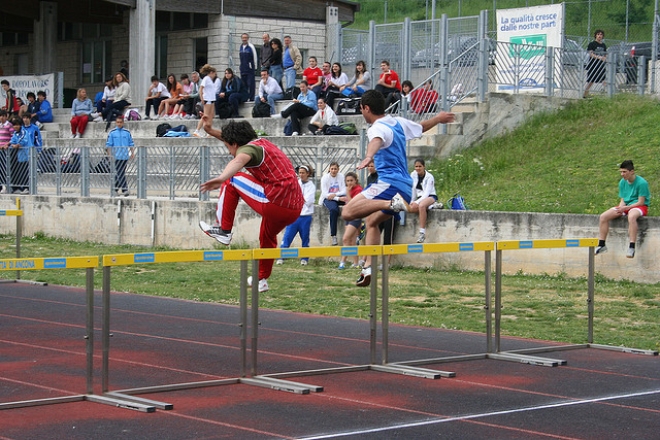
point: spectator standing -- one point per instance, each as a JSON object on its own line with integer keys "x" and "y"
{"x": 208, "y": 92}
{"x": 388, "y": 82}
{"x": 266, "y": 52}
{"x": 157, "y": 93}
{"x": 25, "y": 137}
{"x": 302, "y": 107}
{"x": 303, "y": 225}
{"x": 6, "y": 132}
{"x": 270, "y": 188}
{"x": 597, "y": 51}
{"x": 248, "y": 59}
{"x": 269, "y": 91}
{"x": 45, "y": 113}
{"x": 323, "y": 118}
{"x": 333, "y": 186}
{"x": 423, "y": 196}
{"x": 635, "y": 198}
{"x": 291, "y": 62}
{"x": 352, "y": 227}
{"x": 11, "y": 104}
{"x": 314, "y": 76}
{"x": 81, "y": 111}
{"x": 120, "y": 147}
{"x": 276, "y": 70}
{"x": 387, "y": 148}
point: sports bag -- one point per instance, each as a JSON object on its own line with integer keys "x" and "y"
{"x": 225, "y": 110}
{"x": 261, "y": 110}
{"x": 162, "y": 129}
{"x": 349, "y": 106}
{"x": 457, "y": 203}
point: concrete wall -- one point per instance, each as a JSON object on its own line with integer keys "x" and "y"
{"x": 176, "y": 224}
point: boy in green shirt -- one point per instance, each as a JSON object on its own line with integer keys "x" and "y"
{"x": 635, "y": 198}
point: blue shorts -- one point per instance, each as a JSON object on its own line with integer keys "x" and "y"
{"x": 384, "y": 191}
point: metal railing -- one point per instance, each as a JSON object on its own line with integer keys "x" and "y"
{"x": 164, "y": 171}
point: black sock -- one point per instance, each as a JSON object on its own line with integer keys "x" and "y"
{"x": 632, "y": 245}
{"x": 601, "y": 242}
{"x": 226, "y": 231}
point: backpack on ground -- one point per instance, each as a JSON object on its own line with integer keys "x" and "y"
{"x": 348, "y": 127}
{"x": 292, "y": 93}
{"x": 457, "y": 203}
{"x": 261, "y": 110}
{"x": 132, "y": 115}
{"x": 288, "y": 128}
{"x": 162, "y": 129}
{"x": 335, "y": 130}
{"x": 225, "y": 110}
{"x": 349, "y": 106}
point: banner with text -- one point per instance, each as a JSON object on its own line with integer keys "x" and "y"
{"x": 528, "y": 31}
{"x": 22, "y": 84}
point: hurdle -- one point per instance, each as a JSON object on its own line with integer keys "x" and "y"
{"x": 18, "y": 213}
{"x": 525, "y": 355}
{"x": 59, "y": 263}
{"x": 127, "y": 398}
{"x": 409, "y": 367}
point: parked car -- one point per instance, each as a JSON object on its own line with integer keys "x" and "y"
{"x": 574, "y": 55}
{"x": 465, "y": 47}
{"x": 629, "y": 55}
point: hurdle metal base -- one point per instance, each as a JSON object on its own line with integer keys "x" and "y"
{"x": 41, "y": 402}
{"x": 154, "y": 403}
{"x": 526, "y": 359}
{"x": 282, "y": 385}
{"x": 121, "y": 403}
{"x": 406, "y": 370}
{"x": 35, "y": 283}
{"x": 625, "y": 349}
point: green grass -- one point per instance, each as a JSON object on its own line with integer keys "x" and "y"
{"x": 548, "y": 307}
{"x": 564, "y": 162}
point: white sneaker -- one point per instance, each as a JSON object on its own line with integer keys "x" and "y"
{"x": 365, "y": 278}
{"x": 600, "y": 250}
{"x": 78, "y": 136}
{"x": 187, "y": 117}
{"x": 630, "y": 253}
{"x": 100, "y": 119}
{"x": 155, "y": 118}
{"x": 197, "y": 134}
{"x": 276, "y": 116}
{"x": 303, "y": 262}
{"x": 73, "y": 136}
{"x": 216, "y": 232}
{"x": 398, "y": 204}
{"x": 279, "y": 262}
{"x": 334, "y": 240}
{"x": 263, "y": 284}
{"x": 295, "y": 133}
{"x": 436, "y": 205}
{"x": 421, "y": 238}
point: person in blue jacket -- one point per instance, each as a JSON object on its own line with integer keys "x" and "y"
{"x": 26, "y": 136}
{"x": 45, "y": 113}
{"x": 120, "y": 146}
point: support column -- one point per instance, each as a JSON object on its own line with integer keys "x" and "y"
{"x": 142, "y": 48}
{"x": 45, "y": 38}
{"x": 332, "y": 34}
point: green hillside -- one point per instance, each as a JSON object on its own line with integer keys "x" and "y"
{"x": 564, "y": 162}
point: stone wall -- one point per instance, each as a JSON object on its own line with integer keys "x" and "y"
{"x": 175, "y": 224}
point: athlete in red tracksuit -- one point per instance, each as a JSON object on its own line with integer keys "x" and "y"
{"x": 270, "y": 187}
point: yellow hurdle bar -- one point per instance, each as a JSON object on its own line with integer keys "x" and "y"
{"x": 399, "y": 249}
{"x": 312, "y": 252}
{"x": 11, "y": 212}
{"x": 49, "y": 263}
{"x": 176, "y": 257}
{"x": 546, "y": 244}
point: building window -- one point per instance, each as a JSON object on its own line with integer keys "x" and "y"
{"x": 97, "y": 61}
{"x": 161, "y": 56}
